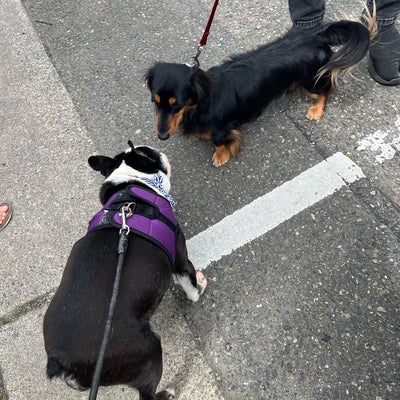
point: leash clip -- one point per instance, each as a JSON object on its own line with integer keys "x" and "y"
{"x": 196, "y": 57}
{"x": 203, "y": 40}
{"x": 195, "y": 60}
{"x": 126, "y": 211}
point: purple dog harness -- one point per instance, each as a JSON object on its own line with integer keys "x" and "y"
{"x": 152, "y": 217}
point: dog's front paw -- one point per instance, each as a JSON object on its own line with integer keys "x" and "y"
{"x": 315, "y": 113}
{"x": 221, "y": 156}
{"x": 201, "y": 282}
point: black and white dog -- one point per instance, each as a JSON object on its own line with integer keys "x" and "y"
{"x": 75, "y": 320}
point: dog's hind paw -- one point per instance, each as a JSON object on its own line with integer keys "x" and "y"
{"x": 74, "y": 384}
{"x": 316, "y": 111}
{"x": 201, "y": 282}
{"x": 167, "y": 394}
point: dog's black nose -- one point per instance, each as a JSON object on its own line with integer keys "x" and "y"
{"x": 163, "y": 136}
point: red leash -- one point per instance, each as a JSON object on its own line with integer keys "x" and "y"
{"x": 204, "y": 38}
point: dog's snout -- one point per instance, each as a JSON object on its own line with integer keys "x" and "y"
{"x": 163, "y": 136}
{"x": 167, "y": 123}
{"x": 163, "y": 126}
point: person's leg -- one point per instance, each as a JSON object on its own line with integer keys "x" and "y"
{"x": 386, "y": 11}
{"x": 306, "y": 13}
{"x": 384, "y": 60}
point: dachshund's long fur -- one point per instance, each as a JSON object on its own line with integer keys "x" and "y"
{"x": 213, "y": 104}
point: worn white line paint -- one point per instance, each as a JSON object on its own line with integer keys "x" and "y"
{"x": 383, "y": 143}
{"x": 270, "y": 210}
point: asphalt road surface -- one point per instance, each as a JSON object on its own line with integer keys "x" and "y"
{"x": 307, "y": 307}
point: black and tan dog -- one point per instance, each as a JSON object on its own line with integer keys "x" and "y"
{"x": 213, "y": 104}
{"x": 75, "y": 320}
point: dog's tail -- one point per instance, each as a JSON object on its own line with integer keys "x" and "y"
{"x": 354, "y": 39}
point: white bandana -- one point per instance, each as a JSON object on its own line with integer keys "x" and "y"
{"x": 159, "y": 182}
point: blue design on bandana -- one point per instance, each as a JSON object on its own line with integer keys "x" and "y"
{"x": 157, "y": 183}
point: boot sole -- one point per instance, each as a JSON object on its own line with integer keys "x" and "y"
{"x": 375, "y": 76}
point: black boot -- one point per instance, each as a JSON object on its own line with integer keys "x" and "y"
{"x": 384, "y": 56}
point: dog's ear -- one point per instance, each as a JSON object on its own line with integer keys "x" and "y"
{"x": 148, "y": 78}
{"x": 200, "y": 85}
{"x": 103, "y": 164}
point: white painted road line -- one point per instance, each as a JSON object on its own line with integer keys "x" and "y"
{"x": 384, "y": 143}
{"x": 270, "y": 210}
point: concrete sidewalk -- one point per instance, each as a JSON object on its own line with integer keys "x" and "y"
{"x": 45, "y": 175}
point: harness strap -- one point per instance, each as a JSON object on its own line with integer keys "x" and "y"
{"x": 152, "y": 217}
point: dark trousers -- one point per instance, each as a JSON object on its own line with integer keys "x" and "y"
{"x": 308, "y": 13}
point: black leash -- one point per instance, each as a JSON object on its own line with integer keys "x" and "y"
{"x": 126, "y": 212}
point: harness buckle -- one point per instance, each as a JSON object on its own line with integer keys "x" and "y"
{"x": 127, "y": 210}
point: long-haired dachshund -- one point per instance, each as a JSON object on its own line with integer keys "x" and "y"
{"x": 213, "y": 104}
